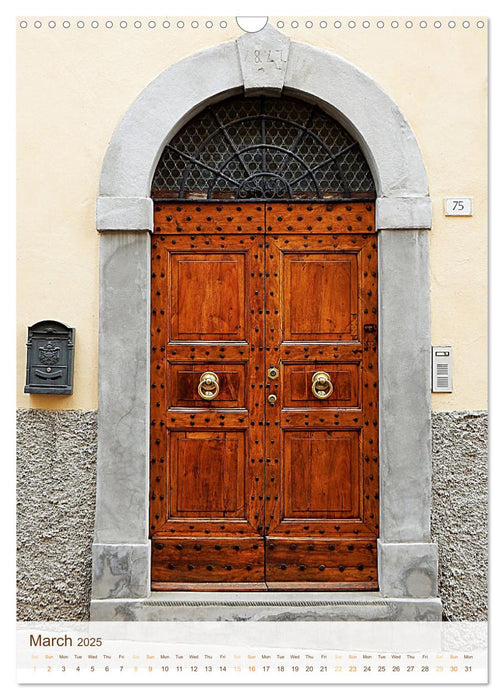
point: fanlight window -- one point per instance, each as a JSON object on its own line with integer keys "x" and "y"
{"x": 266, "y": 149}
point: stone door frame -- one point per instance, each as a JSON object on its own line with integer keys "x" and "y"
{"x": 266, "y": 62}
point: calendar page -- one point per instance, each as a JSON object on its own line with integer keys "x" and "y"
{"x": 233, "y": 652}
{"x": 252, "y": 348}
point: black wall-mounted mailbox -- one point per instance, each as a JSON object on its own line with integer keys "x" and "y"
{"x": 50, "y": 358}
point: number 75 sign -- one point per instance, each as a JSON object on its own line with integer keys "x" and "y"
{"x": 458, "y": 206}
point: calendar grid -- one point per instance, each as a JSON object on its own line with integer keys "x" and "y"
{"x": 309, "y": 652}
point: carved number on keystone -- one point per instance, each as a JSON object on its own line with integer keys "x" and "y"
{"x": 275, "y": 56}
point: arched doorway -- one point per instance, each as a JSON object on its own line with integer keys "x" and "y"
{"x": 264, "y": 374}
{"x": 407, "y": 560}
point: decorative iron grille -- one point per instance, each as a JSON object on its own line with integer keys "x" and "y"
{"x": 262, "y": 148}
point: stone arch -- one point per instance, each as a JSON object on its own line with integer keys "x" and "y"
{"x": 312, "y": 74}
{"x": 121, "y": 552}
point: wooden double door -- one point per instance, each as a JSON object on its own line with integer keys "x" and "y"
{"x": 264, "y": 397}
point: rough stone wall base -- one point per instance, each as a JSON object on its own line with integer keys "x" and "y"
{"x": 56, "y": 455}
{"x": 56, "y": 502}
{"x": 459, "y": 512}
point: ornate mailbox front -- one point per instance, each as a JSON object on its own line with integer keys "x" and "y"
{"x": 49, "y": 365}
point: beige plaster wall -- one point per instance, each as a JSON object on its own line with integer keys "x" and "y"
{"x": 75, "y": 84}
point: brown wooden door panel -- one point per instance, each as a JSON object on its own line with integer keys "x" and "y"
{"x": 321, "y": 477}
{"x": 208, "y": 296}
{"x": 321, "y": 352}
{"x": 297, "y": 383}
{"x": 185, "y": 379}
{"x": 330, "y": 278}
{"x": 207, "y": 474}
{"x": 208, "y": 218}
{"x": 322, "y": 454}
{"x": 313, "y": 218}
{"x": 322, "y": 418}
{"x": 207, "y": 560}
{"x": 207, "y": 480}
{"x": 203, "y": 419}
{"x": 248, "y": 494}
{"x": 321, "y": 563}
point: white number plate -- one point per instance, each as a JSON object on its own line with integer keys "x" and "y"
{"x": 458, "y": 206}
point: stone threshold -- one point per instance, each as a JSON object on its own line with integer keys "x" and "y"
{"x": 204, "y": 606}
{"x": 262, "y": 599}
